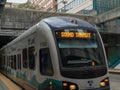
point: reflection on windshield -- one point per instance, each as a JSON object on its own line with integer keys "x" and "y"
{"x": 79, "y": 53}
{"x": 77, "y": 44}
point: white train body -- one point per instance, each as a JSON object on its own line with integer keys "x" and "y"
{"x": 35, "y": 56}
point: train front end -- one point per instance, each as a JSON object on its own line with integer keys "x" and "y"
{"x": 81, "y": 55}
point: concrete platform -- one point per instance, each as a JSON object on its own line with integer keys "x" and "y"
{"x": 6, "y": 84}
{"x": 3, "y": 86}
{"x": 114, "y": 71}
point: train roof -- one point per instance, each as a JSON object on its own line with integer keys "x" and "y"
{"x": 65, "y": 21}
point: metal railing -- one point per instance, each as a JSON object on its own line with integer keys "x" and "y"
{"x": 114, "y": 59}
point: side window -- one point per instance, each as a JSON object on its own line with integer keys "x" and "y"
{"x": 9, "y": 61}
{"x": 24, "y": 58}
{"x": 45, "y": 62}
{"x": 3, "y": 61}
{"x": 31, "y": 57}
{"x": 14, "y": 61}
{"x": 19, "y": 61}
{"x": 3, "y": 58}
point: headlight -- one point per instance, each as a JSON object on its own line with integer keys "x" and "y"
{"x": 104, "y": 82}
{"x": 69, "y": 86}
{"x": 72, "y": 87}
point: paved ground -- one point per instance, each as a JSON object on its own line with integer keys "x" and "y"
{"x": 3, "y": 86}
{"x": 115, "y": 81}
{"x": 6, "y": 84}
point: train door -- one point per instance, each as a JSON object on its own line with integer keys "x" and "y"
{"x": 24, "y": 74}
{"x": 4, "y": 62}
{"x": 46, "y": 68}
{"x": 13, "y": 64}
{"x": 31, "y": 62}
{"x": 45, "y": 62}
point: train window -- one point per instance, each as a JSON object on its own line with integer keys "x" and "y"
{"x": 118, "y": 21}
{"x": 14, "y": 61}
{"x": 9, "y": 60}
{"x": 24, "y": 54}
{"x": 31, "y": 57}
{"x": 3, "y": 60}
{"x": 19, "y": 61}
{"x": 45, "y": 62}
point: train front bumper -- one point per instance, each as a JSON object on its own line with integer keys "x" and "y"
{"x": 103, "y": 88}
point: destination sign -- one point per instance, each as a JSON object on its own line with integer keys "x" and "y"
{"x": 74, "y": 34}
{"x": 83, "y": 35}
{"x": 67, "y": 34}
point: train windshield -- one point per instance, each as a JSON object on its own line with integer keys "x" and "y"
{"x": 80, "y": 48}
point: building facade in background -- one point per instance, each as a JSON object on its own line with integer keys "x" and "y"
{"x": 87, "y": 6}
{"x": 45, "y": 5}
{"x": 68, "y": 6}
{"x": 102, "y": 6}
{"x": 92, "y": 7}
{"x": 75, "y": 6}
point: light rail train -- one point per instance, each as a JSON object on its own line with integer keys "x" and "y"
{"x": 58, "y": 53}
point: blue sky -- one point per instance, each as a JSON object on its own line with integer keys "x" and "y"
{"x": 17, "y": 1}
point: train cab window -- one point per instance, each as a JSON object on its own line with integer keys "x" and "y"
{"x": 45, "y": 62}
{"x": 24, "y": 58}
{"x": 31, "y": 57}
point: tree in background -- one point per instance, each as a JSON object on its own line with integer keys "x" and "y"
{"x": 28, "y": 5}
